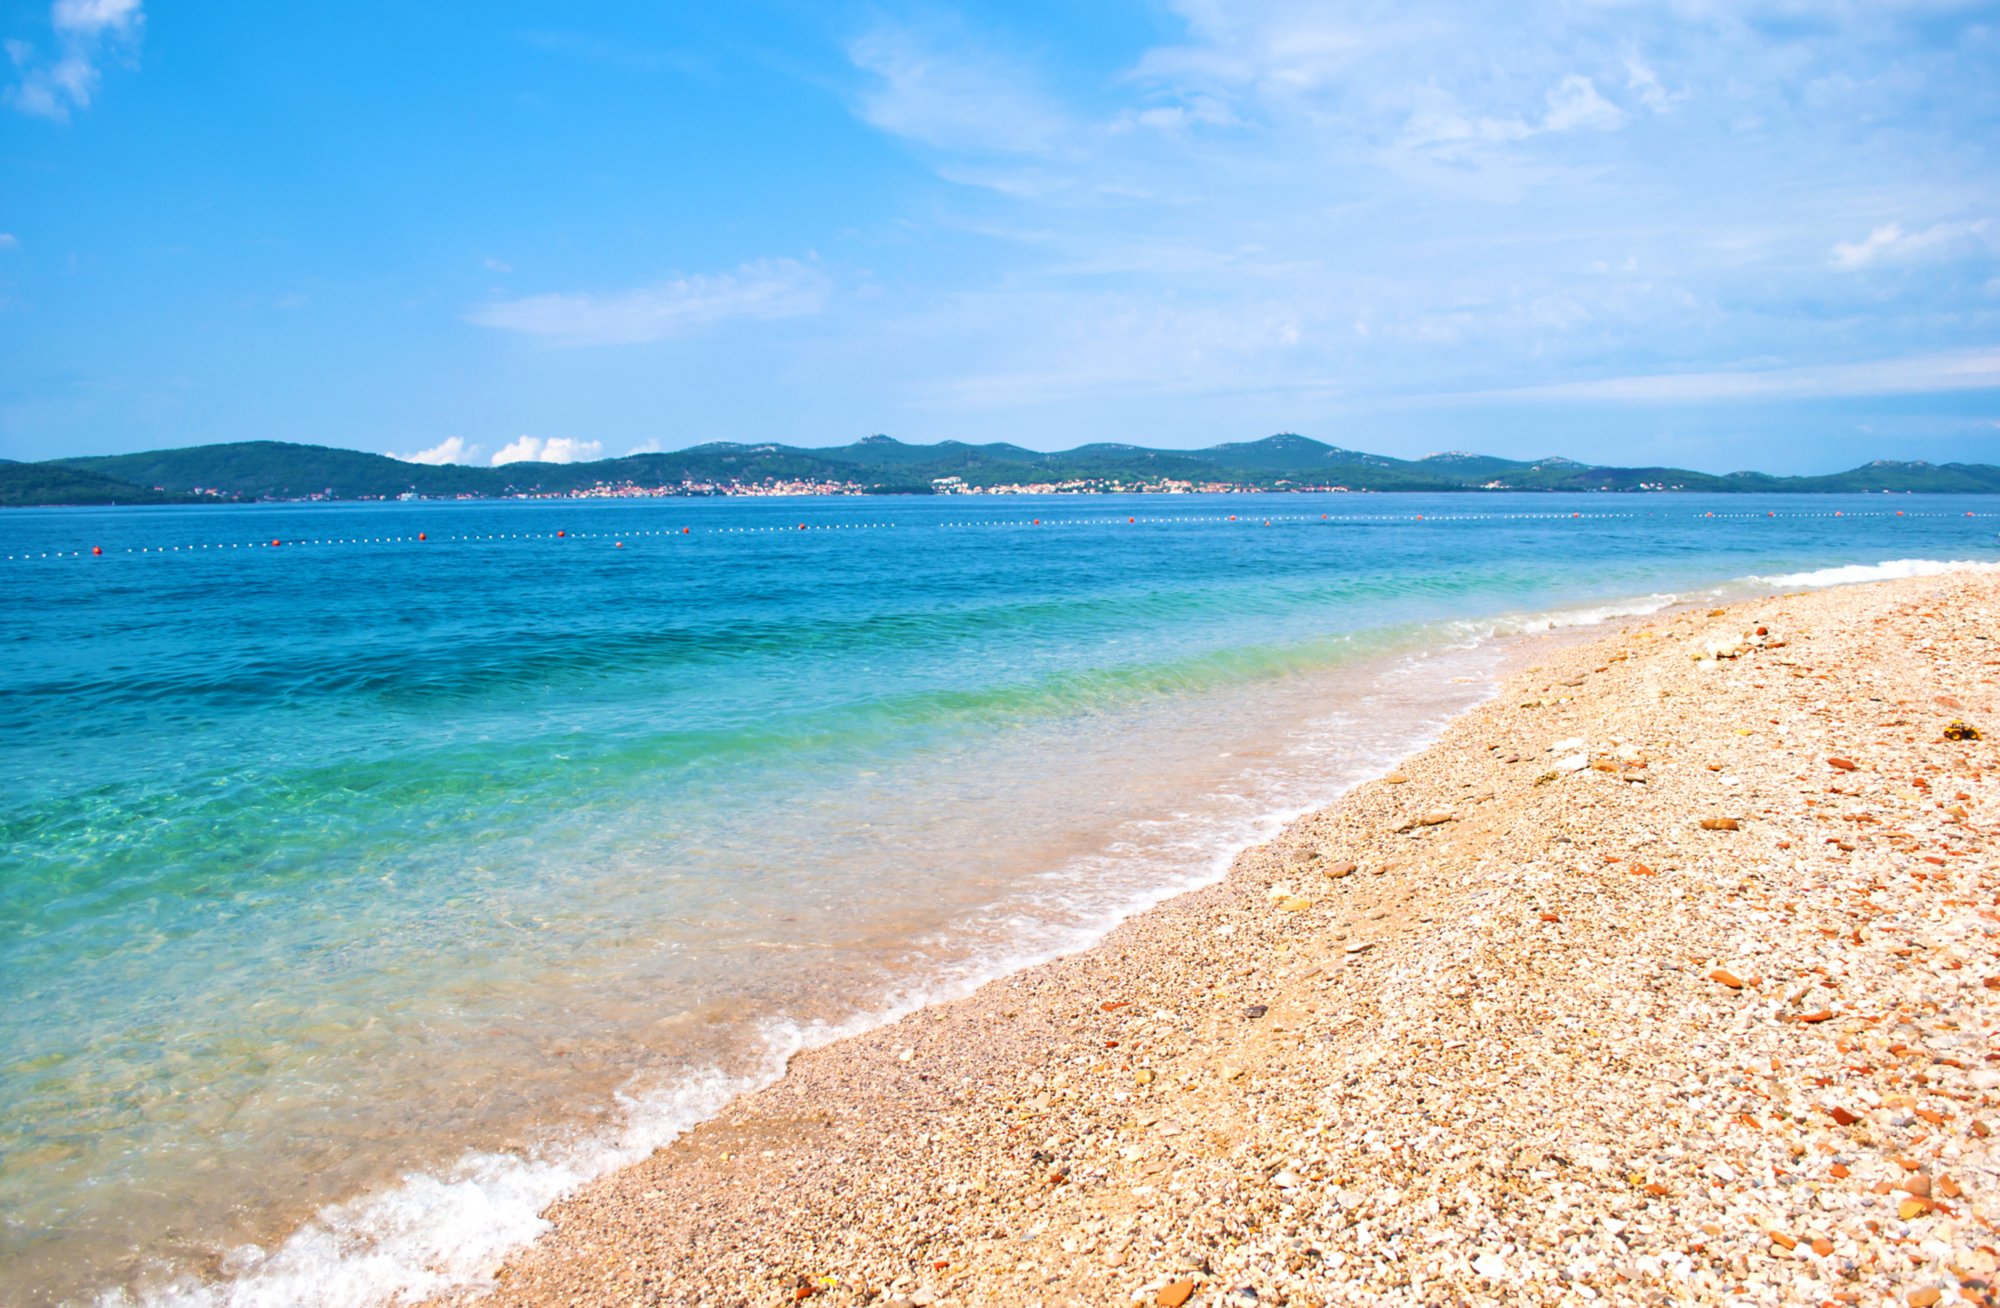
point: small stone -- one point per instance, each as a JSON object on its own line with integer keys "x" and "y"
{"x": 1395, "y": 779}
{"x": 1573, "y": 763}
{"x": 1144, "y": 1076}
{"x": 1437, "y": 817}
{"x": 1490, "y": 1266}
{"x": 1721, "y": 824}
{"x": 1173, "y": 1296}
{"x": 1842, "y": 764}
{"x": 1286, "y": 1180}
{"x": 1782, "y": 1240}
{"x": 1360, "y": 947}
{"x": 1295, "y": 904}
{"x": 1255, "y": 1011}
{"x": 1925, "y": 1297}
{"x": 1912, "y": 1208}
{"x": 1822, "y": 1246}
{"x": 1339, "y": 870}
{"x": 1843, "y": 1116}
{"x": 1725, "y": 977}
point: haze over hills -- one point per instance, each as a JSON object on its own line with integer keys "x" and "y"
{"x": 274, "y": 470}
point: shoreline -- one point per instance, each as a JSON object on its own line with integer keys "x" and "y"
{"x": 1164, "y": 1108}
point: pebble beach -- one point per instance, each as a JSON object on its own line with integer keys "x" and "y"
{"x": 1667, "y": 975}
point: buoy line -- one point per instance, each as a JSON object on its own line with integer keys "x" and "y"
{"x": 618, "y": 539}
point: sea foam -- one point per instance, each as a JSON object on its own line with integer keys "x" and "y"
{"x": 1888, "y": 570}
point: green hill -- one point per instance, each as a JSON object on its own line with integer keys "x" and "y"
{"x": 275, "y": 470}
{"x": 27, "y": 484}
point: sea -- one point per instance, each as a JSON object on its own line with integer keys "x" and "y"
{"x": 372, "y": 875}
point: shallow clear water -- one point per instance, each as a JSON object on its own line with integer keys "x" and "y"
{"x": 355, "y": 898}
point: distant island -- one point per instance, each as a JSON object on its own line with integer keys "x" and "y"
{"x": 252, "y": 471}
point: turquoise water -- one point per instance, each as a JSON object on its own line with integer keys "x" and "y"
{"x": 362, "y": 892}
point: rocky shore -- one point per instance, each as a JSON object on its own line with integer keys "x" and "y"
{"x": 1667, "y": 976}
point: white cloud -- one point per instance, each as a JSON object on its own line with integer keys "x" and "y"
{"x": 1572, "y": 104}
{"x": 557, "y": 449}
{"x": 958, "y": 99}
{"x": 452, "y": 449}
{"x": 86, "y": 33}
{"x": 1889, "y": 243}
{"x": 499, "y": 266}
{"x": 7, "y": 241}
{"x": 1575, "y": 105}
{"x": 651, "y": 446}
{"x": 764, "y": 290}
{"x": 1645, "y": 85}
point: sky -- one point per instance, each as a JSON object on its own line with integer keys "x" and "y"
{"x": 1718, "y": 235}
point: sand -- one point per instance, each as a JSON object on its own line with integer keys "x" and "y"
{"x": 1667, "y": 976}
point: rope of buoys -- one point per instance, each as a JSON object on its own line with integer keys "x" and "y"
{"x": 98, "y": 551}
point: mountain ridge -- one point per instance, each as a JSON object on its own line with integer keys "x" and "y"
{"x": 278, "y": 470}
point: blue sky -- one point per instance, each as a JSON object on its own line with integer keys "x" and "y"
{"x": 1718, "y": 235}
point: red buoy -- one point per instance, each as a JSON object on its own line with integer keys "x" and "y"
{"x": 620, "y": 545}
{"x": 561, "y": 534}
{"x": 423, "y": 535}
{"x": 802, "y": 526}
{"x": 684, "y": 531}
{"x": 97, "y": 549}
{"x": 274, "y": 543}
{"x": 1131, "y": 519}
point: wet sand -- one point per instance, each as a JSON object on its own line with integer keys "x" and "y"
{"x": 1667, "y": 976}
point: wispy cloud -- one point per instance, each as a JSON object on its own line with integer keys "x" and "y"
{"x": 452, "y": 449}
{"x": 8, "y": 241}
{"x": 766, "y": 289}
{"x": 1970, "y": 370}
{"x": 1890, "y": 243}
{"x": 557, "y": 449}
{"x": 85, "y": 33}
{"x": 1438, "y": 198}
{"x": 955, "y": 96}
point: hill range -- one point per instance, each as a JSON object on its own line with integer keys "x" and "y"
{"x": 275, "y": 470}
